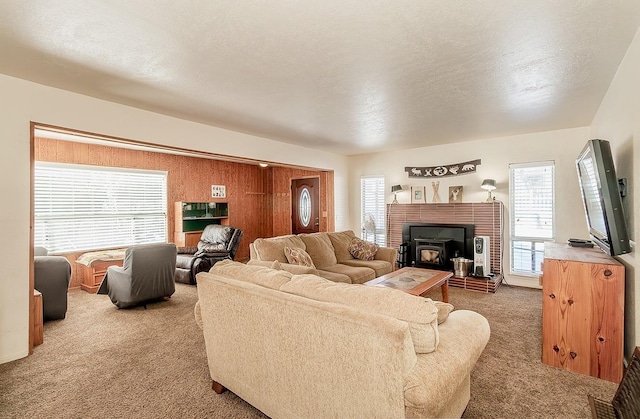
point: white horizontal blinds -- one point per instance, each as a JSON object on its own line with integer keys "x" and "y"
{"x": 531, "y": 192}
{"x": 89, "y": 207}
{"x": 372, "y": 196}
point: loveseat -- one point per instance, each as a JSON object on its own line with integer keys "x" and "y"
{"x": 304, "y": 346}
{"x": 329, "y": 253}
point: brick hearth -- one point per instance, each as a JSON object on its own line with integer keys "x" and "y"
{"x": 488, "y": 221}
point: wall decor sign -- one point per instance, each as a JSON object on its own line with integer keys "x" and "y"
{"x": 218, "y": 191}
{"x": 444, "y": 170}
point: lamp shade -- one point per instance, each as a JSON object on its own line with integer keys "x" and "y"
{"x": 396, "y": 188}
{"x": 488, "y": 185}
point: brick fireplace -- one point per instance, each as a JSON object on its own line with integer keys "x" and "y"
{"x": 486, "y": 219}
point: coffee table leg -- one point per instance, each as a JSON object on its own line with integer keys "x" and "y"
{"x": 445, "y": 291}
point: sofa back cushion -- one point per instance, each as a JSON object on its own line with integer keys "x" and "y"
{"x": 273, "y": 248}
{"x": 319, "y": 247}
{"x": 341, "y": 241}
{"x": 420, "y": 313}
{"x": 259, "y": 275}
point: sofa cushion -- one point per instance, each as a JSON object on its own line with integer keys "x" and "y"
{"x": 259, "y": 275}
{"x": 363, "y": 250}
{"x": 274, "y": 264}
{"x": 420, "y": 313}
{"x": 273, "y": 248}
{"x": 381, "y": 267}
{"x": 341, "y": 241}
{"x": 444, "y": 309}
{"x": 334, "y": 276}
{"x": 357, "y": 275}
{"x": 297, "y": 256}
{"x": 319, "y": 248}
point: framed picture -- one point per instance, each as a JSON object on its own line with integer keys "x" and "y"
{"x": 417, "y": 195}
{"x": 455, "y": 194}
{"x": 218, "y": 191}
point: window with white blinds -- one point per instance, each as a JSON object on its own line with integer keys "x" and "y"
{"x": 372, "y": 197}
{"x": 80, "y": 207}
{"x": 531, "y": 194}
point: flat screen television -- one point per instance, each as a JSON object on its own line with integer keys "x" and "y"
{"x": 601, "y": 198}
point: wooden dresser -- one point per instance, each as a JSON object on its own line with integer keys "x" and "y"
{"x": 92, "y": 275}
{"x": 583, "y": 311}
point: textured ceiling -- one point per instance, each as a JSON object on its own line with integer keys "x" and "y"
{"x": 344, "y": 76}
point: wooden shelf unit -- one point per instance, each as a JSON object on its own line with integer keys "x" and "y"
{"x": 583, "y": 311}
{"x": 192, "y": 217}
{"x": 92, "y": 275}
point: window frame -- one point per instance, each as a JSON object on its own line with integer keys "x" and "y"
{"x": 98, "y": 204}
{"x": 379, "y": 213}
{"x": 536, "y": 243}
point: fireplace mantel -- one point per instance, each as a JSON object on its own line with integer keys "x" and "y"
{"x": 487, "y": 217}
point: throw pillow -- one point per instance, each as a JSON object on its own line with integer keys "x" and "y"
{"x": 443, "y": 311}
{"x": 297, "y": 256}
{"x": 363, "y": 250}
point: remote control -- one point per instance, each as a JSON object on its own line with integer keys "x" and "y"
{"x": 580, "y": 243}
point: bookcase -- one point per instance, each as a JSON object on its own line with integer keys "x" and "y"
{"x": 192, "y": 217}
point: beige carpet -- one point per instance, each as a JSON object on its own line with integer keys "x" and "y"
{"x": 104, "y": 362}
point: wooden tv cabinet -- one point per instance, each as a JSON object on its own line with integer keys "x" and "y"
{"x": 583, "y": 311}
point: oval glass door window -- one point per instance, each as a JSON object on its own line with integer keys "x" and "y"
{"x": 304, "y": 207}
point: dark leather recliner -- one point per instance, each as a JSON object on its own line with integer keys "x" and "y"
{"x": 217, "y": 242}
{"x": 51, "y": 276}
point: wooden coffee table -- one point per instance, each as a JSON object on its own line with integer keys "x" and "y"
{"x": 415, "y": 281}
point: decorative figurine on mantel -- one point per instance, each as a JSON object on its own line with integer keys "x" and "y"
{"x": 436, "y": 197}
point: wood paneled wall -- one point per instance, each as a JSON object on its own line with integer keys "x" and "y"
{"x": 259, "y": 198}
{"x": 282, "y": 198}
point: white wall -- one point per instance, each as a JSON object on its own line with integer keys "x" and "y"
{"x": 562, "y": 146}
{"x": 618, "y": 120}
{"x": 23, "y": 102}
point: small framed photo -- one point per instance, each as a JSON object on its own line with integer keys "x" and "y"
{"x": 455, "y": 194}
{"x": 218, "y": 191}
{"x": 417, "y": 195}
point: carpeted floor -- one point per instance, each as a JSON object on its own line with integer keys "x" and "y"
{"x": 104, "y": 362}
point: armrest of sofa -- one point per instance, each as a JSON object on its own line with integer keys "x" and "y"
{"x": 388, "y": 254}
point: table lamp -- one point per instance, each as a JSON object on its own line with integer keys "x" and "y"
{"x": 395, "y": 189}
{"x": 489, "y": 185}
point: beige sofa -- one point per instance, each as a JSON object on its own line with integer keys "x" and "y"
{"x": 330, "y": 255}
{"x": 301, "y": 346}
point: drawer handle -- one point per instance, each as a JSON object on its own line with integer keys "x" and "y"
{"x": 573, "y": 355}
{"x": 607, "y": 272}
{"x": 555, "y": 348}
{"x": 552, "y": 296}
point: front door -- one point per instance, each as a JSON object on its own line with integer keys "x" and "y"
{"x": 305, "y": 205}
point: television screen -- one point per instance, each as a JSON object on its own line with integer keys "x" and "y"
{"x": 601, "y": 198}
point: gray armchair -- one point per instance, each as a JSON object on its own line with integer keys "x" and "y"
{"x": 146, "y": 274}
{"x": 51, "y": 276}
{"x": 217, "y": 242}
